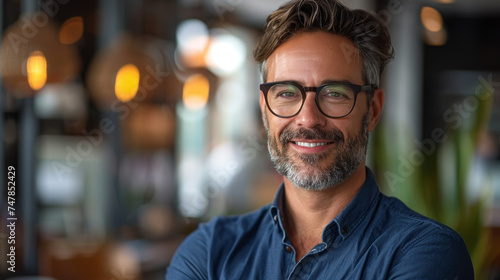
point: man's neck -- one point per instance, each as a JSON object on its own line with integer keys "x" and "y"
{"x": 307, "y": 213}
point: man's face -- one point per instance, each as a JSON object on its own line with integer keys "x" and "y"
{"x": 311, "y": 150}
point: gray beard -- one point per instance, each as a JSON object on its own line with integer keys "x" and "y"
{"x": 350, "y": 155}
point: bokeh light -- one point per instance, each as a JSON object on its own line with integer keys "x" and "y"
{"x": 192, "y": 37}
{"x": 196, "y": 91}
{"x": 36, "y": 69}
{"x": 431, "y": 19}
{"x": 71, "y": 31}
{"x": 226, "y": 53}
{"x": 127, "y": 82}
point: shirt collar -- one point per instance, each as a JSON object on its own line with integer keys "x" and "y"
{"x": 350, "y": 218}
{"x": 277, "y": 205}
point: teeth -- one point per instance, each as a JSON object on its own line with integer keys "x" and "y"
{"x": 310, "y": 145}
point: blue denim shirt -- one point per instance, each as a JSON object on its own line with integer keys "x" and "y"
{"x": 374, "y": 237}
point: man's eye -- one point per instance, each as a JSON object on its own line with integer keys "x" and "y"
{"x": 286, "y": 94}
{"x": 336, "y": 94}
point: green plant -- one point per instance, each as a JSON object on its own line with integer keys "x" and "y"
{"x": 436, "y": 185}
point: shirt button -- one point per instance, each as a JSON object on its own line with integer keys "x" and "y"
{"x": 288, "y": 249}
{"x": 275, "y": 218}
{"x": 344, "y": 231}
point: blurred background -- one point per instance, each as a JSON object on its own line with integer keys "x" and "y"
{"x": 127, "y": 123}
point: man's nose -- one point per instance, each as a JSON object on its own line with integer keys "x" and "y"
{"x": 310, "y": 116}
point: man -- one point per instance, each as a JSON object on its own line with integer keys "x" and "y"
{"x": 321, "y": 65}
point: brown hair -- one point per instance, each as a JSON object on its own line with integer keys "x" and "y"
{"x": 367, "y": 32}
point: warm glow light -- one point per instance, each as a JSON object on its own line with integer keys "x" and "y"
{"x": 36, "y": 68}
{"x": 431, "y": 19}
{"x": 127, "y": 82}
{"x": 195, "y": 92}
{"x": 71, "y": 31}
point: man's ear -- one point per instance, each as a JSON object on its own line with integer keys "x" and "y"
{"x": 376, "y": 105}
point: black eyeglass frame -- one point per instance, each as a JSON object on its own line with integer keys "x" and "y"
{"x": 368, "y": 89}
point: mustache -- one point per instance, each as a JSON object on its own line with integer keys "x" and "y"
{"x": 332, "y": 135}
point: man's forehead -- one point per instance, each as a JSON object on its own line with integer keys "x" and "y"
{"x": 298, "y": 55}
{"x": 315, "y": 54}
{"x": 304, "y": 59}
{"x": 296, "y": 59}
{"x": 291, "y": 55}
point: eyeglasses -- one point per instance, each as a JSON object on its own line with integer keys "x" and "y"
{"x": 334, "y": 99}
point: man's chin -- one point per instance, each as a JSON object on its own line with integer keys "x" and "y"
{"x": 310, "y": 182}
{"x": 313, "y": 163}
{"x": 305, "y": 175}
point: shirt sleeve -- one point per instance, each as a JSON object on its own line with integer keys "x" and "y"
{"x": 440, "y": 256}
{"x": 190, "y": 259}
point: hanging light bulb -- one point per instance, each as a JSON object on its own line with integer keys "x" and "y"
{"x": 36, "y": 69}
{"x": 127, "y": 82}
{"x": 29, "y": 63}
{"x": 148, "y": 76}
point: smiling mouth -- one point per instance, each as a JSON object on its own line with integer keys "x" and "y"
{"x": 311, "y": 145}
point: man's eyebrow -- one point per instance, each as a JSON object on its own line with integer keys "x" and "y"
{"x": 287, "y": 81}
{"x": 326, "y": 81}
{"x": 335, "y": 81}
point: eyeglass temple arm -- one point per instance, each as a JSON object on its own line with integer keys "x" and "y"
{"x": 368, "y": 88}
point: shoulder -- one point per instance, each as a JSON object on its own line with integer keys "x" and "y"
{"x": 426, "y": 248}
{"x": 403, "y": 219}
{"x": 196, "y": 253}
{"x": 227, "y": 226}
